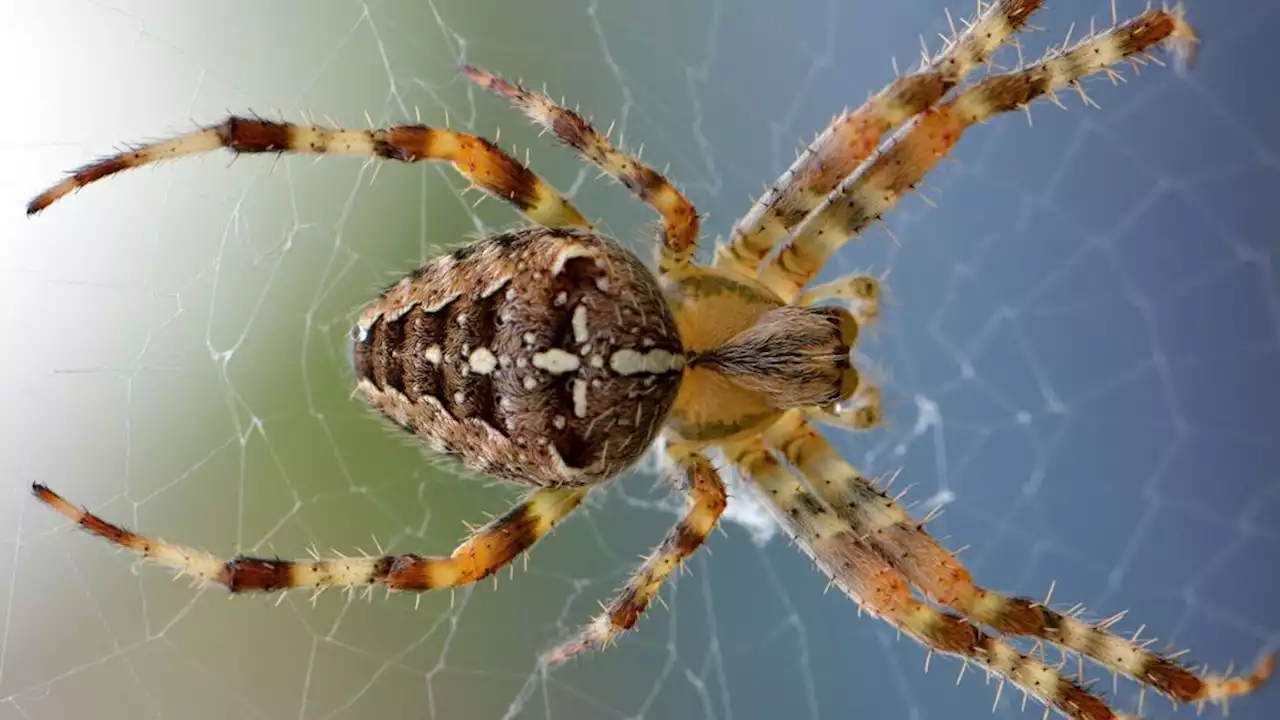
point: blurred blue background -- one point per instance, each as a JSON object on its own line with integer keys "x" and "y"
{"x": 1081, "y": 360}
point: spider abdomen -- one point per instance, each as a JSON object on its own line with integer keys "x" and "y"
{"x": 543, "y": 357}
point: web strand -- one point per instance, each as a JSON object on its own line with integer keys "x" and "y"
{"x": 1078, "y": 355}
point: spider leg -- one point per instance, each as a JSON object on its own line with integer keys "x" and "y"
{"x": 853, "y": 136}
{"x": 679, "y": 234}
{"x": 708, "y": 498}
{"x": 479, "y": 160}
{"x": 488, "y": 550}
{"x": 863, "y": 574}
{"x": 865, "y": 195}
{"x": 902, "y": 541}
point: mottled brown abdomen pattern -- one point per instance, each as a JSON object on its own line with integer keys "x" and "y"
{"x": 542, "y": 357}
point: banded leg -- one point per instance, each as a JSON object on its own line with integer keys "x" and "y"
{"x": 679, "y": 234}
{"x": 853, "y": 136}
{"x": 936, "y": 572}
{"x": 707, "y": 501}
{"x": 876, "y": 186}
{"x": 488, "y": 550}
{"x": 865, "y": 577}
{"x": 479, "y": 160}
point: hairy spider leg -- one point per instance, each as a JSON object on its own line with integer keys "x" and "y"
{"x": 854, "y": 135}
{"x": 479, "y": 160}
{"x": 887, "y": 528}
{"x": 679, "y": 232}
{"x": 865, "y": 577}
{"x": 707, "y": 498}
{"x": 869, "y": 192}
{"x": 488, "y": 550}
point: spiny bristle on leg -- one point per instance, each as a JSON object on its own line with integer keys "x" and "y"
{"x": 871, "y": 191}
{"x": 484, "y": 553}
{"x": 680, "y": 220}
{"x": 479, "y": 160}
{"x": 854, "y": 135}
{"x": 707, "y": 501}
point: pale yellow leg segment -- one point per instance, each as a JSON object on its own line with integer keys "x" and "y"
{"x": 488, "y": 550}
{"x": 707, "y": 502}
{"x": 861, "y": 412}
{"x": 861, "y": 292}
{"x": 853, "y": 136}
{"x": 479, "y": 160}
{"x": 883, "y": 524}
{"x": 679, "y": 218}
{"x": 878, "y": 588}
{"x": 869, "y": 192}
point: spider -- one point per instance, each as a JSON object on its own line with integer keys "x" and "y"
{"x": 551, "y": 357}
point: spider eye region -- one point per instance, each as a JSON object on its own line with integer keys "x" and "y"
{"x": 542, "y": 357}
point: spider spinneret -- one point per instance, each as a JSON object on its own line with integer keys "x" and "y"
{"x": 552, "y": 357}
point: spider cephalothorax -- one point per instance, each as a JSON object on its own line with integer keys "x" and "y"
{"x": 552, "y": 357}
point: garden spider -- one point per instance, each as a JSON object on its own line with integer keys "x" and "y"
{"x": 551, "y": 357}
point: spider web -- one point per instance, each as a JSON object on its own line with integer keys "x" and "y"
{"x": 1083, "y": 363}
